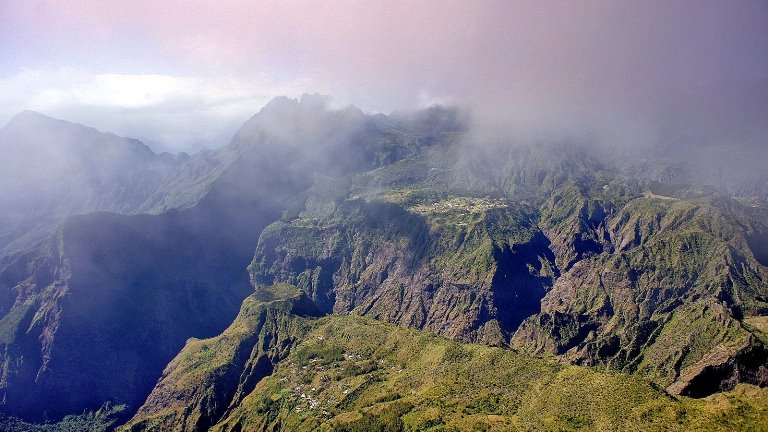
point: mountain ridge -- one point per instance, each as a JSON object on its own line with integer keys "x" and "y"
{"x": 548, "y": 248}
{"x": 177, "y": 261}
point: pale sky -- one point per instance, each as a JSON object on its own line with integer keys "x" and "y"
{"x": 185, "y": 74}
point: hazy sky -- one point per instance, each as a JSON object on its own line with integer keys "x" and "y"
{"x": 185, "y": 74}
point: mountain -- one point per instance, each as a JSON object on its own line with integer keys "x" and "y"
{"x": 94, "y": 312}
{"x": 52, "y": 169}
{"x": 559, "y": 272}
{"x": 576, "y": 262}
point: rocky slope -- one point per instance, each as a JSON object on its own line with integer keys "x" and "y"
{"x": 548, "y": 253}
{"x": 673, "y": 299}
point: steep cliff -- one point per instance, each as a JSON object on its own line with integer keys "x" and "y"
{"x": 210, "y": 377}
{"x": 672, "y": 299}
{"x": 548, "y": 252}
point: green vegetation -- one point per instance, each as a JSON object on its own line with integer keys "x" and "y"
{"x": 213, "y": 372}
{"x": 102, "y": 420}
{"x": 662, "y": 289}
{"x": 356, "y": 374}
{"x": 630, "y": 281}
{"x": 13, "y": 322}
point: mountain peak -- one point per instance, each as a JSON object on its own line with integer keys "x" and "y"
{"x": 27, "y": 117}
{"x": 314, "y": 100}
{"x": 30, "y": 122}
{"x": 307, "y": 102}
{"x": 303, "y": 119}
{"x": 42, "y": 131}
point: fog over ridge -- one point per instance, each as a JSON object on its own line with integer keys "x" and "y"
{"x": 185, "y": 77}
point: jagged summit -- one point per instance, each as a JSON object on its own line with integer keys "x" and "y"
{"x": 307, "y": 101}
{"x": 309, "y": 111}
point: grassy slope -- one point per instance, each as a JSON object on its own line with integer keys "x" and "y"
{"x": 209, "y": 375}
{"x": 353, "y": 373}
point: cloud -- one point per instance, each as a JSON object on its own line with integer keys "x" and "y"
{"x": 172, "y": 113}
{"x": 688, "y": 70}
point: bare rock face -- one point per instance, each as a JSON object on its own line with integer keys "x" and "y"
{"x": 669, "y": 302}
{"x": 471, "y": 284}
{"x": 590, "y": 269}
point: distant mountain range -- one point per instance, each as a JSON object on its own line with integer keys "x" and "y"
{"x": 122, "y": 273}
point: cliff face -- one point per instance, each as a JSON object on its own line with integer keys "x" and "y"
{"x": 472, "y": 281}
{"x": 106, "y": 304}
{"x": 672, "y": 298}
{"x": 571, "y": 258}
{"x": 210, "y": 377}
